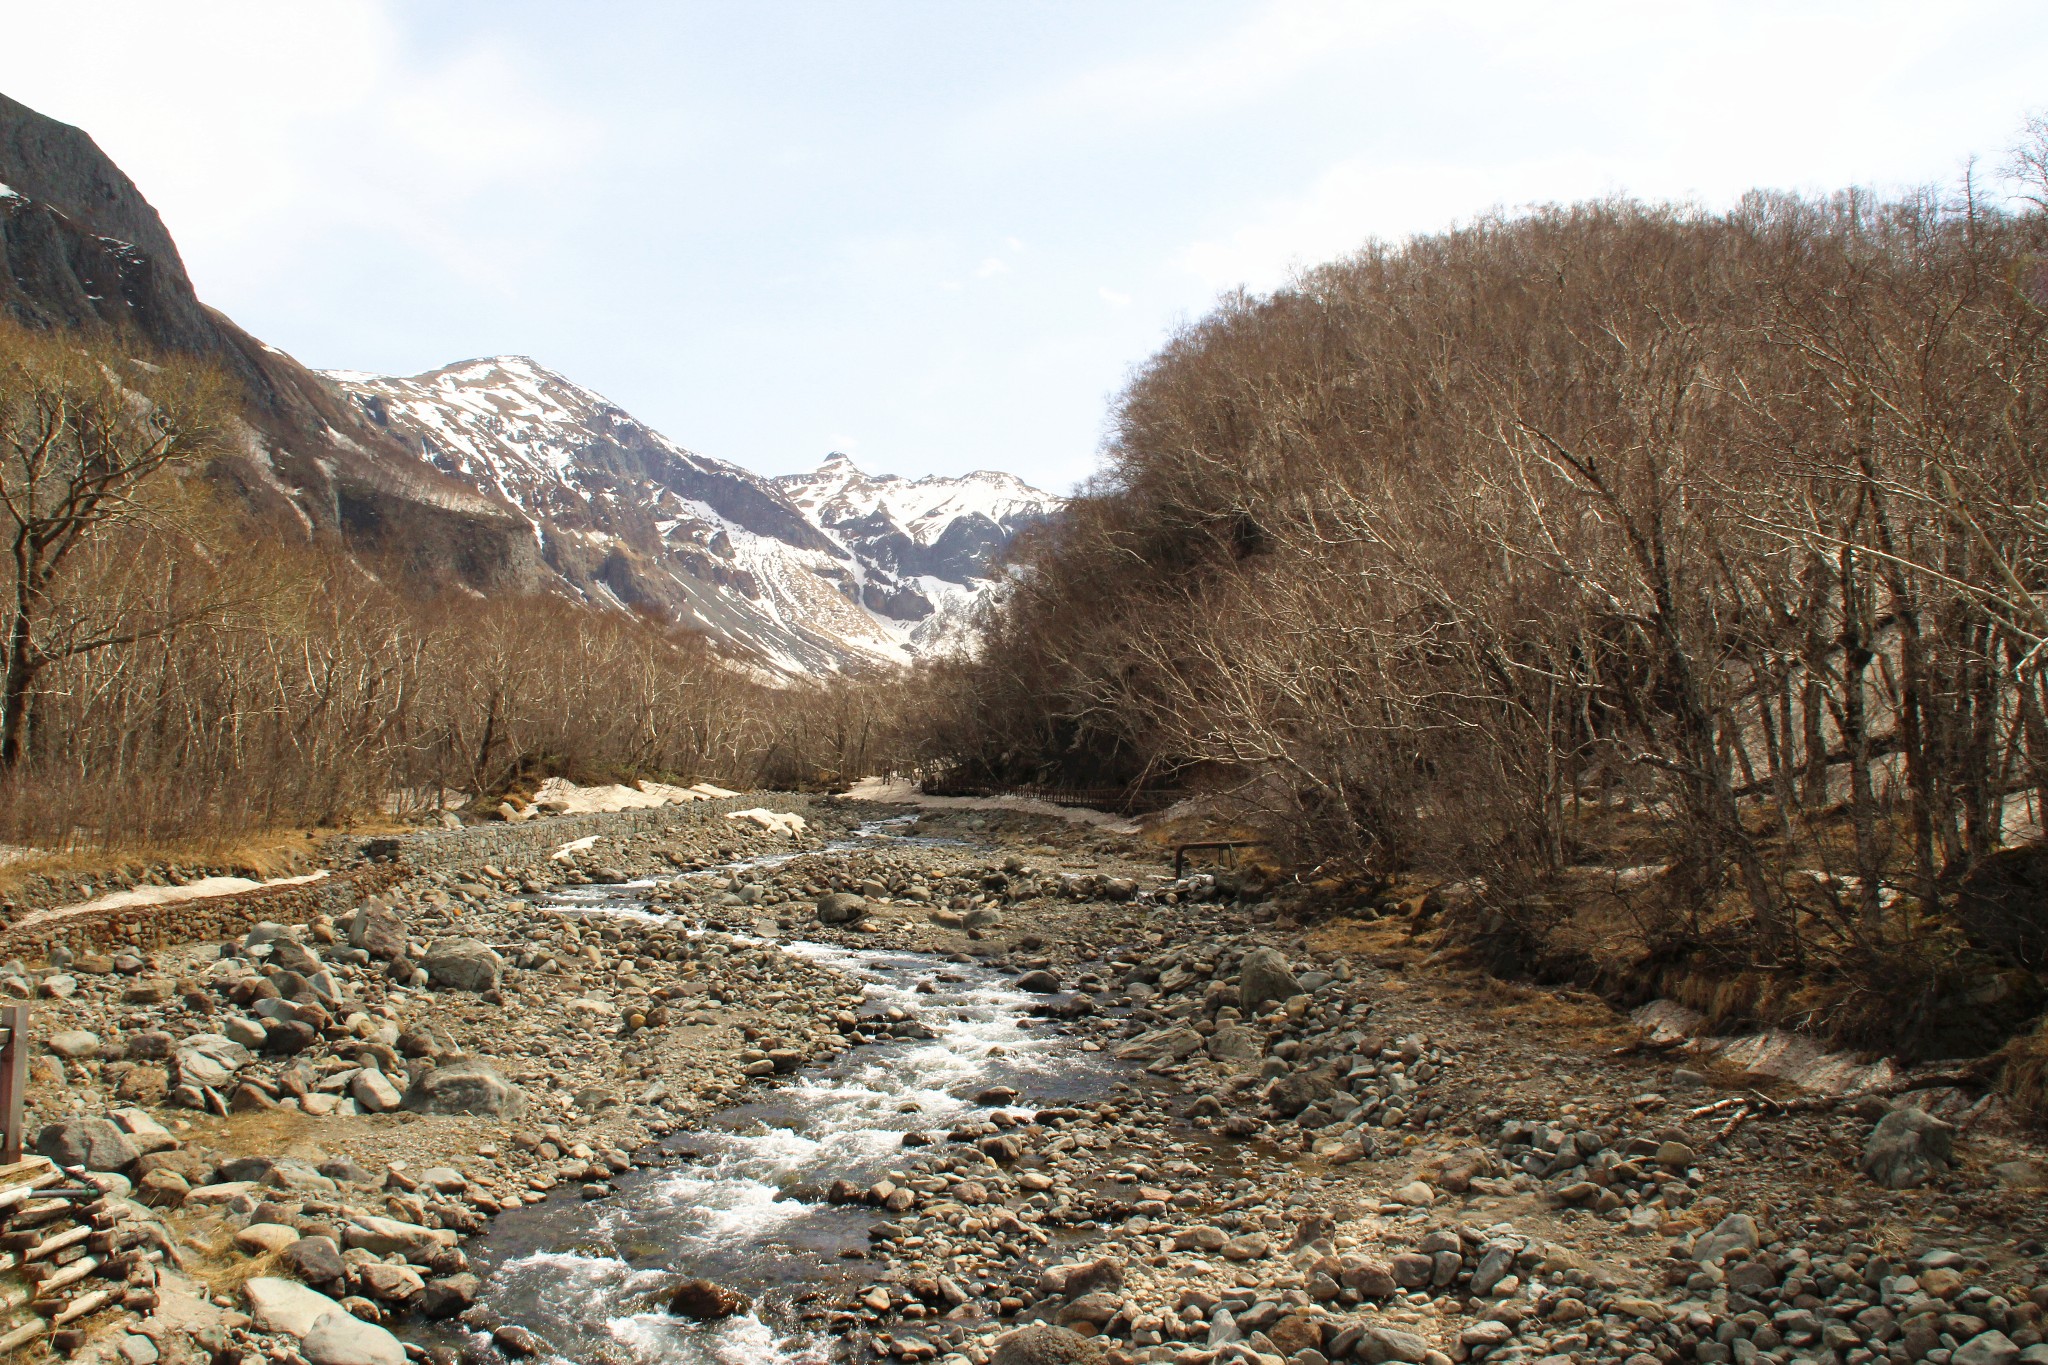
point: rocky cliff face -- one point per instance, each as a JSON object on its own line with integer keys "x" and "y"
{"x": 81, "y": 247}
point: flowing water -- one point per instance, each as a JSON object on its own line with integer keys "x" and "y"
{"x": 744, "y": 1205}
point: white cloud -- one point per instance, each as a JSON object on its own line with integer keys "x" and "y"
{"x": 1113, "y": 298}
{"x": 1282, "y": 39}
{"x": 992, "y": 266}
{"x": 252, "y": 126}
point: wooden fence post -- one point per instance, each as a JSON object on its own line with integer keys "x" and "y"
{"x": 13, "y": 1079}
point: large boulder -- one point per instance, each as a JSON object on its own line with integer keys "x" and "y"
{"x": 841, "y": 908}
{"x": 96, "y": 1144}
{"x": 463, "y": 964}
{"x": 1297, "y": 1090}
{"x": 706, "y": 1301}
{"x": 1908, "y": 1148}
{"x": 341, "y": 1338}
{"x": 378, "y": 931}
{"x": 74, "y": 1044}
{"x": 467, "y": 1085}
{"x": 1264, "y": 975}
{"x": 279, "y": 1305}
{"x": 1040, "y": 1344}
{"x": 1081, "y": 1277}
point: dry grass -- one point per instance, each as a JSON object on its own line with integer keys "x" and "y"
{"x": 277, "y": 853}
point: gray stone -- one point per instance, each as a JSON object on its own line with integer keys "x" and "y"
{"x": 373, "y": 1093}
{"x": 73, "y": 1044}
{"x": 280, "y": 1305}
{"x": 1038, "y": 983}
{"x": 382, "y": 1236}
{"x": 463, "y": 964}
{"x": 343, "y": 1339}
{"x": 449, "y": 1295}
{"x": 316, "y": 1260}
{"x": 1040, "y": 1344}
{"x": 1986, "y": 1348}
{"x": 1265, "y": 976}
{"x": 288, "y": 954}
{"x": 1380, "y": 1344}
{"x": 1236, "y": 1043}
{"x": 840, "y": 908}
{"x": 470, "y": 1085}
{"x": 1735, "y": 1232}
{"x": 291, "y": 1173}
{"x": 96, "y": 1144}
{"x": 378, "y": 931}
{"x": 1907, "y": 1148}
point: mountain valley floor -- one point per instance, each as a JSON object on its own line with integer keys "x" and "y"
{"x": 298, "y": 1106}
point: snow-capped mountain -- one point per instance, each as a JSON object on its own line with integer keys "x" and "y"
{"x": 925, "y": 548}
{"x": 809, "y": 573}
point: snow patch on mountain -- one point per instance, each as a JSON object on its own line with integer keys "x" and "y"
{"x": 808, "y": 574}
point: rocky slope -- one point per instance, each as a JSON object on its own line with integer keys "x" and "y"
{"x": 811, "y": 573}
{"x": 81, "y": 247}
{"x": 502, "y": 476}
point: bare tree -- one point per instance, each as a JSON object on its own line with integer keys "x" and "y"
{"x": 80, "y": 443}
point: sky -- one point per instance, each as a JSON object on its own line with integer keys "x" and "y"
{"x": 938, "y": 235}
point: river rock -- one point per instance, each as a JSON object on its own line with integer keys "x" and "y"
{"x": 1381, "y": 1344}
{"x": 840, "y": 908}
{"x": 378, "y": 931}
{"x": 470, "y": 1085}
{"x": 341, "y": 1338}
{"x": 1236, "y": 1043}
{"x": 382, "y": 1236}
{"x": 279, "y": 1305}
{"x": 1039, "y": 982}
{"x": 1908, "y": 1148}
{"x": 1986, "y": 1348}
{"x": 96, "y": 1144}
{"x": 73, "y": 1044}
{"x": 1736, "y": 1232}
{"x": 1263, "y": 976}
{"x": 463, "y": 964}
{"x": 449, "y": 1295}
{"x": 260, "y": 1239}
{"x": 1298, "y": 1090}
{"x": 1081, "y": 1277}
{"x": 316, "y": 1260}
{"x": 1040, "y": 1344}
{"x": 373, "y": 1092}
{"x": 706, "y": 1301}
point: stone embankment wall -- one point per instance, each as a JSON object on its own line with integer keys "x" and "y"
{"x": 370, "y": 866}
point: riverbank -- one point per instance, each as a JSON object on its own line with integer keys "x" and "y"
{"x": 1302, "y": 1134}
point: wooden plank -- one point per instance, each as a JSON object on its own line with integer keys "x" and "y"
{"x": 56, "y": 1242}
{"x": 13, "y": 1079}
{"x": 70, "y": 1274}
{"x": 30, "y": 1165}
{"x": 18, "y": 1194}
{"x": 85, "y": 1304}
{"x": 36, "y": 1212}
{"x": 18, "y": 1337}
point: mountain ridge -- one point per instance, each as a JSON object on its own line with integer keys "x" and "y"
{"x": 494, "y": 475}
{"x": 813, "y": 572}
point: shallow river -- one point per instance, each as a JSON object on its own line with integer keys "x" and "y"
{"x": 588, "y": 1276}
